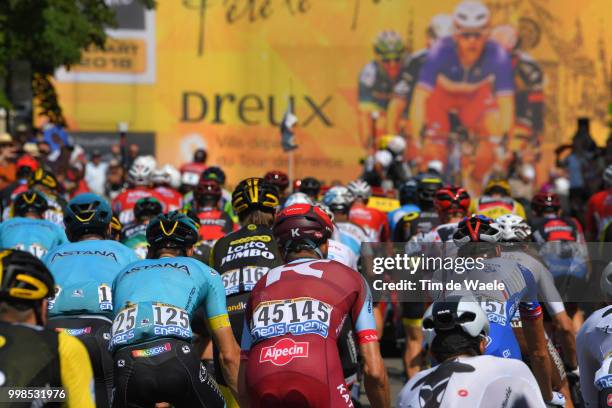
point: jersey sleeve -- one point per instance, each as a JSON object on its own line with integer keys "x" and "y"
{"x": 61, "y": 236}
{"x": 603, "y": 376}
{"x": 519, "y": 210}
{"x": 362, "y": 313}
{"x": 76, "y": 372}
{"x": 432, "y": 66}
{"x": 504, "y": 79}
{"x": 214, "y": 303}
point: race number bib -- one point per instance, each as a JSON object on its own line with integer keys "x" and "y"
{"x": 250, "y": 276}
{"x": 495, "y": 310}
{"x": 124, "y": 325}
{"x": 190, "y": 179}
{"x": 105, "y": 297}
{"x": 35, "y": 249}
{"x": 294, "y": 316}
{"x": 170, "y": 321}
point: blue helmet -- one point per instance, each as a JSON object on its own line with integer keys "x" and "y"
{"x": 408, "y": 192}
{"x": 172, "y": 230}
{"x": 87, "y": 213}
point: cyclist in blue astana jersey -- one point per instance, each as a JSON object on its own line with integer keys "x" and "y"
{"x": 28, "y": 230}
{"x": 151, "y": 341}
{"x": 478, "y": 238}
{"x": 84, "y": 270}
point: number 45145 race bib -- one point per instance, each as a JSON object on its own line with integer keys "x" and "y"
{"x": 295, "y": 316}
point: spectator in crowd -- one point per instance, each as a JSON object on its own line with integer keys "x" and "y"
{"x": 7, "y": 159}
{"x": 115, "y": 179}
{"x": 583, "y": 167}
{"x": 95, "y": 173}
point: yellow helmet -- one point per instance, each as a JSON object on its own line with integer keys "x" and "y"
{"x": 498, "y": 185}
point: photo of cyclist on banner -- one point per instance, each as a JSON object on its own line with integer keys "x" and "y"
{"x": 471, "y": 99}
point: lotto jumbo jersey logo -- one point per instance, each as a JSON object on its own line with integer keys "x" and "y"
{"x": 283, "y": 352}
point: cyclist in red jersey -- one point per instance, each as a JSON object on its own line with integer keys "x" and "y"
{"x": 372, "y": 220}
{"x": 214, "y": 222}
{"x": 289, "y": 345}
{"x": 167, "y": 180}
{"x": 190, "y": 172}
{"x": 599, "y": 211}
{"x": 139, "y": 186}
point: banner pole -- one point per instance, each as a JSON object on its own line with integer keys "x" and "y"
{"x": 290, "y": 168}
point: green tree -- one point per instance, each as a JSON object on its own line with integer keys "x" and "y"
{"x": 50, "y": 34}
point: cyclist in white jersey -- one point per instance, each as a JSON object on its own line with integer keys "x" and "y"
{"x": 594, "y": 348}
{"x": 478, "y": 238}
{"x": 337, "y": 250}
{"x": 339, "y": 200}
{"x": 458, "y": 331}
{"x": 515, "y": 235}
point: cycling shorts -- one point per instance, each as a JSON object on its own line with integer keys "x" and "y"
{"x": 94, "y": 333}
{"x": 163, "y": 370}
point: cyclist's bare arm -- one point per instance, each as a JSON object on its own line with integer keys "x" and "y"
{"x": 375, "y": 373}
{"x": 533, "y": 329}
{"x": 565, "y": 328}
{"x": 229, "y": 356}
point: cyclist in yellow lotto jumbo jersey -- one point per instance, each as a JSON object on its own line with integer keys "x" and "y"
{"x": 497, "y": 201}
{"x": 30, "y": 355}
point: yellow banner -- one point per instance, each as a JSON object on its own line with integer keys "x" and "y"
{"x": 220, "y": 74}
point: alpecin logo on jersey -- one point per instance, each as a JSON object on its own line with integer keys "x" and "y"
{"x": 283, "y": 352}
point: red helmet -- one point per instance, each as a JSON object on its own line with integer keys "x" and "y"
{"x": 302, "y": 225}
{"x": 452, "y": 200}
{"x": 476, "y": 228}
{"x": 27, "y": 161}
{"x": 277, "y": 178}
{"x": 207, "y": 190}
{"x": 545, "y": 202}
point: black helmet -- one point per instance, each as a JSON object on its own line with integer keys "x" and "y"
{"x": 408, "y": 192}
{"x": 30, "y": 201}
{"x": 172, "y": 230}
{"x": 45, "y": 178}
{"x": 427, "y": 186}
{"x": 24, "y": 281}
{"x": 147, "y": 207}
{"x": 214, "y": 173}
{"x": 254, "y": 194}
{"x": 87, "y": 213}
{"x": 310, "y": 186}
{"x": 199, "y": 156}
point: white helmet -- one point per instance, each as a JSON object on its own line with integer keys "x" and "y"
{"x": 141, "y": 170}
{"x": 461, "y": 311}
{"x": 338, "y": 199}
{"x": 360, "y": 189}
{"x": 397, "y": 145}
{"x": 513, "y": 228}
{"x": 383, "y": 157}
{"x": 606, "y": 280}
{"x": 297, "y": 198}
{"x": 166, "y": 175}
{"x": 441, "y": 25}
{"x": 471, "y": 14}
